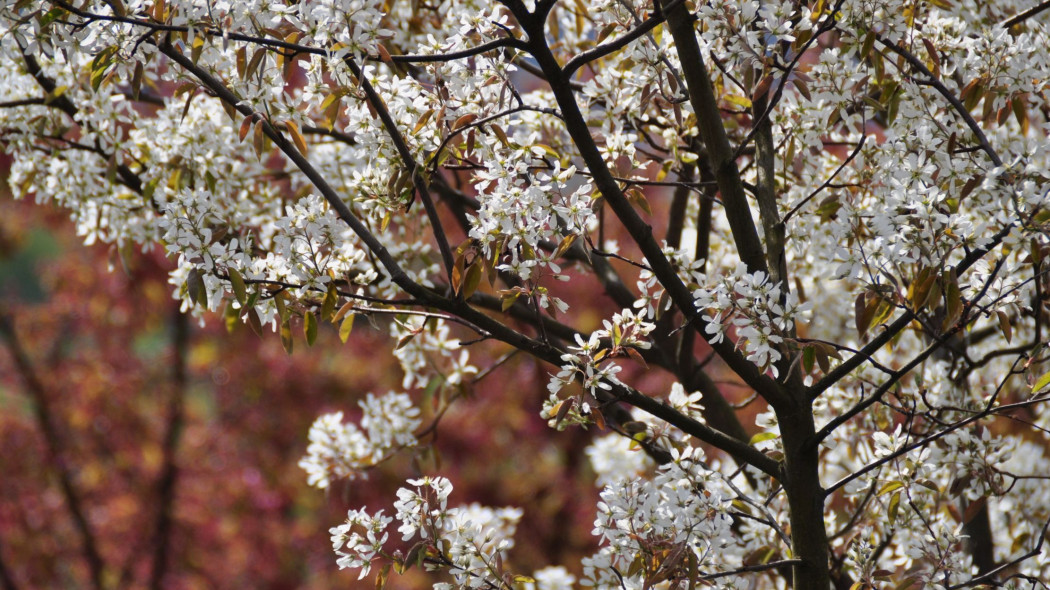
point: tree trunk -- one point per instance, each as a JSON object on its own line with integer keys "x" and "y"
{"x": 801, "y": 479}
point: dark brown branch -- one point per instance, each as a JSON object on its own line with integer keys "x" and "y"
{"x": 1023, "y": 16}
{"x": 541, "y": 350}
{"x": 762, "y": 567}
{"x": 639, "y": 230}
{"x": 410, "y": 163}
{"x": 615, "y": 45}
{"x": 712, "y": 131}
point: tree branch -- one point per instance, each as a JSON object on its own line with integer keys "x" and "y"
{"x": 640, "y": 231}
{"x": 712, "y": 131}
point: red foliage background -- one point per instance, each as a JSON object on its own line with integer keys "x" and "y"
{"x": 100, "y": 335}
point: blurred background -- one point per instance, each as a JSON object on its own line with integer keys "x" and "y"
{"x": 139, "y": 449}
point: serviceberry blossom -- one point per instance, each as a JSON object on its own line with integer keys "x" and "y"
{"x": 681, "y": 510}
{"x": 750, "y": 308}
{"x": 342, "y": 450}
{"x": 832, "y": 218}
{"x": 467, "y": 541}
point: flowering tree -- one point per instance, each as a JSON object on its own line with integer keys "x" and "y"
{"x": 845, "y": 202}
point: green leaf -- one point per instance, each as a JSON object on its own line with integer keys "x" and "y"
{"x": 310, "y": 328}
{"x": 1041, "y": 382}
{"x": 894, "y": 508}
{"x": 471, "y": 281}
{"x": 346, "y": 327}
{"x": 286, "y": 336}
{"x": 328, "y": 306}
{"x": 809, "y": 356}
{"x": 237, "y": 282}
{"x": 507, "y": 300}
{"x": 195, "y": 287}
{"x": 230, "y": 316}
{"x": 889, "y": 487}
{"x": 761, "y": 437}
{"x": 282, "y": 309}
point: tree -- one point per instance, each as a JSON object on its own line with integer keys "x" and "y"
{"x": 845, "y": 203}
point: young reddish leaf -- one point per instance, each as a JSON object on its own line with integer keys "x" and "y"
{"x": 253, "y": 64}
{"x": 242, "y": 62}
{"x": 136, "y": 80}
{"x": 384, "y": 55}
{"x": 500, "y": 134}
{"x": 259, "y": 139}
{"x": 1020, "y": 110}
{"x": 973, "y": 508}
{"x": 605, "y": 31}
{"x": 564, "y": 246}
{"x": 861, "y": 317}
{"x": 934, "y": 56}
{"x": 761, "y": 89}
{"x": 254, "y": 323}
{"x": 598, "y": 418}
{"x": 953, "y": 305}
{"x": 246, "y": 126}
{"x": 345, "y": 309}
{"x": 464, "y": 121}
{"x": 423, "y": 120}
{"x": 297, "y": 137}
{"x": 561, "y": 410}
{"x": 971, "y": 184}
{"x": 195, "y": 287}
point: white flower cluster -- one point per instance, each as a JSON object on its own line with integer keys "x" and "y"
{"x": 519, "y": 209}
{"x": 681, "y": 511}
{"x": 750, "y": 306}
{"x": 590, "y": 361}
{"x": 615, "y": 457}
{"x": 354, "y": 23}
{"x": 341, "y": 450}
{"x": 467, "y": 541}
{"x": 360, "y": 540}
{"x": 744, "y": 30}
{"x": 551, "y": 578}
{"x": 426, "y": 346}
{"x": 651, "y": 291}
